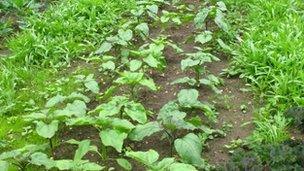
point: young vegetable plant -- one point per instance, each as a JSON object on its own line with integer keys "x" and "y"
{"x": 48, "y": 119}
{"x": 134, "y": 80}
{"x": 147, "y": 8}
{"x": 173, "y": 115}
{"x": 150, "y": 160}
{"x": 113, "y": 120}
{"x": 195, "y": 62}
{"x": 19, "y": 157}
{"x": 152, "y": 54}
{"x": 177, "y": 18}
{"x": 41, "y": 159}
{"x": 89, "y": 82}
{"x": 123, "y": 38}
{"x": 190, "y": 148}
{"x": 216, "y": 13}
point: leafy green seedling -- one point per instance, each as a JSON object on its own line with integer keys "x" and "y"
{"x": 114, "y": 121}
{"x": 20, "y": 157}
{"x": 134, "y": 80}
{"x": 150, "y": 160}
{"x": 122, "y": 38}
{"x": 152, "y": 54}
{"x": 173, "y": 115}
{"x": 189, "y": 148}
{"x": 217, "y": 13}
{"x": 89, "y": 82}
{"x": 48, "y": 119}
{"x": 41, "y": 159}
{"x": 195, "y": 62}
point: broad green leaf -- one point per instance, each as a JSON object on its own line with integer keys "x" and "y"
{"x": 204, "y": 37}
{"x": 105, "y": 47}
{"x": 181, "y": 167}
{"x": 152, "y": 61}
{"x": 64, "y": 164}
{"x": 148, "y": 83}
{"x": 143, "y": 28}
{"x": 80, "y": 121}
{"x": 153, "y": 8}
{"x": 122, "y": 125}
{"x": 84, "y": 147}
{"x": 136, "y": 112}
{"x": 90, "y": 166}
{"x": 109, "y": 65}
{"x": 135, "y": 65}
{"x": 113, "y": 138}
{"x": 47, "y": 130}
{"x": 78, "y": 108}
{"x": 188, "y": 97}
{"x": 200, "y": 18}
{"x": 142, "y": 131}
{"x": 130, "y": 77}
{"x": 220, "y": 21}
{"x": 76, "y": 95}
{"x": 189, "y": 149}
{"x": 125, "y": 35}
{"x": 172, "y": 118}
{"x": 187, "y": 80}
{"x": 124, "y": 164}
{"x": 177, "y": 20}
{"x": 188, "y": 63}
{"x": 148, "y": 157}
{"x": 54, "y": 101}
{"x": 4, "y": 166}
{"x": 222, "y": 6}
{"x": 91, "y": 84}
{"x": 41, "y": 159}
{"x": 223, "y": 45}
{"x": 164, "y": 164}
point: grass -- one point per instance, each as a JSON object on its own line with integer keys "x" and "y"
{"x": 270, "y": 57}
{"x": 66, "y": 30}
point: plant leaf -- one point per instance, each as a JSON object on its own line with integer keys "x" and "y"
{"x": 200, "y": 18}
{"x": 41, "y": 159}
{"x": 135, "y": 65}
{"x": 188, "y": 98}
{"x": 181, "y": 167}
{"x": 47, "y": 130}
{"x": 109, "y": 65}
{"x": 113, "y": 138}
{"x": 204, "y": 37}
{"x": 189, "y": 149}
{"x": 142, "y": 131}
{"x": 143, "y": 28}
{"x": 4, "y": 165}
{"x": 54, "y": 101}
{"x": 124, "y": 164}
{"x": 105, "y": 47}
{"x": 147, "y": 158}
{"x": 125, "y": 35}
{"x": 137, "y": 112}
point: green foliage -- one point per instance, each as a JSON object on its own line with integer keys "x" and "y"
{"x": 284, "y": 156}
{"x": 196, "y": 62}
{"x": 57, "y": 35}
{"x": 217, "y": 13}
{"x": 150, "y": 160}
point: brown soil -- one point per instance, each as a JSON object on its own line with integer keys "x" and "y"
{"x": 215, "y": 153}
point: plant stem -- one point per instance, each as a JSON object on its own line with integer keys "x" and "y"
{"x": 171, "y": 141}
{"x": 104, "y": 153}
{"x": 133, "y": 94}
{"x": 51, "y": 146}
{"x": 197, "y": 76}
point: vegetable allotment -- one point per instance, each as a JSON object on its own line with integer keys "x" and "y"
{"x": 159, "y": 85}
